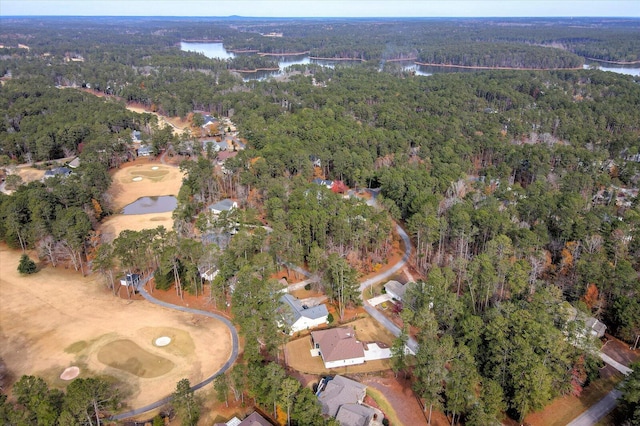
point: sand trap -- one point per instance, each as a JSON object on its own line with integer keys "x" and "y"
{"x": 70, "y": 373}
{"x": 137, "y": 179}
{"x": 163, "y": 341}
{"x": 155, "y": 168}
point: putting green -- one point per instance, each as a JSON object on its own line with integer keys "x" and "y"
{"x": 127, "y": 356}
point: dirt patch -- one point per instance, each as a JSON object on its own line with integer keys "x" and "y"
{"x": 397, "y": 392}
{"x": 57, "y": 318}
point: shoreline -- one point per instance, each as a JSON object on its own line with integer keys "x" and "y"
{"x": 307, "y": 52}
{"x": 320, "y": 58}
{"x": 201, "y": 41}
{"x": 614, "y": 62}
{"x": 255, "y": 70}
{"x": 477, "y": 67}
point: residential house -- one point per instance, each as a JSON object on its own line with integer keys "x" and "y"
{"x": 327, "y": 183}
{"x": 297, "y": 316}
{"x": 395, "y": 289}
{"x": 225, "y": 155}
{"x": 58, "y": 171}
{"x": 595, "y": 327}
{"x": 136, "y": 136}
{"x": 75, "y": 163}
{"x": 340, "y": 391}
{"x": 253, "y": 419}
{"x": 338, "y": 347}
{"x": 343, "y": 399}
{"x": 210, "y": 144}
{"x": 145, "y": 151}
{"x": 225, "y": 205}
{"x": 592, "y": 326}
{"x": 130, "y": 280}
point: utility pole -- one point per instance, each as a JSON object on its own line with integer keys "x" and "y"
{"x": 635, "y": 345}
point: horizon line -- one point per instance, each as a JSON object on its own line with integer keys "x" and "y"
{"x": 326, "y": 17}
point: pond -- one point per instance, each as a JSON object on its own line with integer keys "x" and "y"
{"x": 144, "y": 205}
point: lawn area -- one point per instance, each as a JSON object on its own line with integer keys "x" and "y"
{"x": 563, "y": 410}
{"x": 298, "y": 352}
{"x": 384, "y": 405}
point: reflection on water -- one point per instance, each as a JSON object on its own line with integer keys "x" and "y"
{"x": 619, "y": 69}
{"x": 210, "y": 50}
{"x": 144, "y": 205}
{"x": 217, "y": 51}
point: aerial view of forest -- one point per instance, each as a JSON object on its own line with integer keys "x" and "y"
{"x": 336, "y": 221}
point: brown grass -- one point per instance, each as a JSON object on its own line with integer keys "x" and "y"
{"x": 127, "y": 356}
{"x": 564, "y": 409}
{"x": 298, "y": 354}
{"x": 57, "y": 318}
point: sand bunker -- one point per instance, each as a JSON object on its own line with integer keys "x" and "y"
{"x": 70, "y": 373}
{"x": 163, "y": 341}
{"x": 137, "y": 179}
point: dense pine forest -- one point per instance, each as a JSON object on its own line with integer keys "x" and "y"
{"x": 518, "y": 187}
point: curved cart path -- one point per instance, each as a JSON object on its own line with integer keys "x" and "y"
{"x": 225, "y": 367}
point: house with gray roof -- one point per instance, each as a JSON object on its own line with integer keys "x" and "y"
{"x": 58, "y": 171}
{"x": 297, "y": 316}
{"x": 343, "y": 399}
{"x": 225, "y": 205}
{"x": 340, "y": 391}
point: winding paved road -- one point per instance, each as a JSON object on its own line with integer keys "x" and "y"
{"x": 371, "y": 310}
{"x": 225, "y": 367}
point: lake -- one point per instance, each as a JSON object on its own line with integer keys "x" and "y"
{"x": 144, "y": 205}
{"x": 217, "y": 51}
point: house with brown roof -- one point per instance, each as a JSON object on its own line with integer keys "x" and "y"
{"x": 253, "y": 419}
{"x": 338, "y": 347}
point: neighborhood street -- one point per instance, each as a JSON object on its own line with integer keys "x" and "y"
{"x": 412, "y": 344}
{"x": 598, "y": 410}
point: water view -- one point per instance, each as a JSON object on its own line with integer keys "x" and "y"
{"x": 144, "y": 205}
{"x": 217, "y": 51}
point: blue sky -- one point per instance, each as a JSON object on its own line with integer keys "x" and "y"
{"x": 324, "y": 8}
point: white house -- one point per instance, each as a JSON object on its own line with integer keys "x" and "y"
{"x": 225, "y": 205}
{"x": 395, "y": 289}
{"x": 338, "y": 347}
{"x": 297, "y": 317}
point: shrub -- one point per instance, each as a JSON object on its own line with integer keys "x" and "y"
{"x": 26, "y": 265}
{"x": 307, "y": 286}
{"x": 330, "y": 318}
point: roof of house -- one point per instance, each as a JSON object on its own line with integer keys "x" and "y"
{"x": 396, "y": 288}
{"x": 319, "y": 181}
{"x": 338, "y": 343}
{"x": 295, "y": 310}
{"x": 340, "y": 391}
{"x": 225, "y": 155}
{"x": 145, "y": 149}
{"x": 595, "y": 325}
{"x": 254, "y": 419}
{"x": 223, "y": 205}
{"x": 75, "y": 163}
{"x": 354, "y": 415}
{"x": 58, "y": 171}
